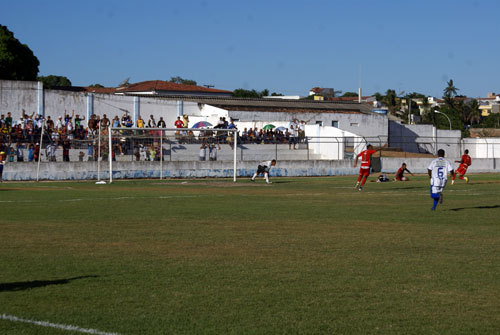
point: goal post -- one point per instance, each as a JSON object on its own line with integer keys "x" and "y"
{"x": 160, "y": 146}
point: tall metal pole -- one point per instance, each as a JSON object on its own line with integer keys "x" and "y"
{"x": 235, "y": 150}
{"x": 110, "y": 155}
{"x": 39, "y": 153}
{"x": 161, "y": 154}
{"x": 99, "y": 153}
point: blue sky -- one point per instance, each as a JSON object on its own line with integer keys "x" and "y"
{"x": 284, "y": 46}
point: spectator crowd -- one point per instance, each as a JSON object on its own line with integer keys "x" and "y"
{"x": 20, "y": 139}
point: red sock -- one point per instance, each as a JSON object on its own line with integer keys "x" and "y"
{"x": 364, "y": 181}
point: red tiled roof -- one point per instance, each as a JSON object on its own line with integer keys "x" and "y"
{"x": 153, "y": 86}
{"x": 161, "y": 85}
{"x": 105, "y": 90}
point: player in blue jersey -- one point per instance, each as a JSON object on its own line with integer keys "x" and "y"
{"x": 438, "y": 172}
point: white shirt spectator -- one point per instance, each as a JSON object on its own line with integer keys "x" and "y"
{"x": 59, "y": 123}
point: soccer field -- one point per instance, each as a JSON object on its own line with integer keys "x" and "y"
{"x": 302, "y": 255}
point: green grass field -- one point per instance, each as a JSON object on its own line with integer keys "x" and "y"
{"x": 300, "y": 256}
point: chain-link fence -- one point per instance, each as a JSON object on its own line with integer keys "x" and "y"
{"x": 147, "y": 144}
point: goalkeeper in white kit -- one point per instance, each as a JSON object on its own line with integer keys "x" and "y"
{"x": 264, "y": 168}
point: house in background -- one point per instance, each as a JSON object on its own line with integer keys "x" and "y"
{"x": 322, "y": 93}
{"x": 489, "y": 105}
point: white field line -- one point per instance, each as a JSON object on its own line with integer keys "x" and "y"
{"x": 55, "y": 325}
{"x": 394, "y": 192}
{"x": 116, "y": 198}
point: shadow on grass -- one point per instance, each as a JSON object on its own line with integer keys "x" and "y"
{"x": 410, "y": 188}
{"x": 477, "y": 207}
{"x": 20, "y": 286}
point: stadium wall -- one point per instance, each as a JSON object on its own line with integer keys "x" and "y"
{"x": 419, "y": 165}
{"x": 219, "y": 169}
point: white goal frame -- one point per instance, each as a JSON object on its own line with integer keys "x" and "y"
{"x": 111, "y": 129}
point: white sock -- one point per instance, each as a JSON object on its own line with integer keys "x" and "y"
{"x": 266, "y": 175}
{"x": 254, "y": 175}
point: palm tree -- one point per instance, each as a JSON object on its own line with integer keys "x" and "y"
{"x": 474, "y": 112}
{"x": 449, "y": 93}
{"x": 390, "y": 100}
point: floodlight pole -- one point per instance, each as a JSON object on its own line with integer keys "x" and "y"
{"x": 438, "y": 112}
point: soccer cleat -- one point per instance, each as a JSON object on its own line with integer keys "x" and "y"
{"x": 466, "y": 180}
{"x": 360, "y": 188}
{"x": 269, "y": 182}
{"x": 452, "y": 181}
{"x": 357, "y": 185}
{"x": 252, "y": 180}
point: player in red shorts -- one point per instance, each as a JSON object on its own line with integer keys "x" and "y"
{"x": 465, "y": 162}
{"x": 400, "y": 174}
{"x": 366, "y": 163}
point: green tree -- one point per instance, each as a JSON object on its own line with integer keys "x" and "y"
{"x": 54, "y": 81}
{"x": 242, "y": 93}
{"x": 428, "y": 115}
{"x": 96, "y": 86}
{"x": 450, "y": 93}
{"x": 350, "y": 95}
{"x": 474, "y": 114}
{"x": 490, "y": 121}
{"x": 179, "y": 80}
{"x": 390, "y": 100}
{"x": 17, "y": 61}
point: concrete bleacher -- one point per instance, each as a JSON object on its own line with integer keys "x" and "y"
{"x": 190, "y": 152}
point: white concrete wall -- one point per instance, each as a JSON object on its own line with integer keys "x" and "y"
{"x": 56, "y": 102}
{"x": 329, "y": 142}
{"x": 423, "y": 138}
{"x": 419, "y": 165}
{"x": 194, "y": 169}
{"x": 367, "y": 125}
{"x": 18, "y": 95}
{"x": 482, "y": 147}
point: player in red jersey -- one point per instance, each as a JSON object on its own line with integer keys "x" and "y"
{"x": 366, "y": 163}
{"x": 465, "y": 162}
{"x": 400, "y": 174}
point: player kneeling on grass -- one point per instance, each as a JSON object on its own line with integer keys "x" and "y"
{"x": 438, "y": 173}
{"x": 465, "y": 162}
{"x": 400, "y": 174}
{"x": 264, "y": 168}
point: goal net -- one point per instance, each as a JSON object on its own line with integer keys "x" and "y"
{"x": 165, "y": 152}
